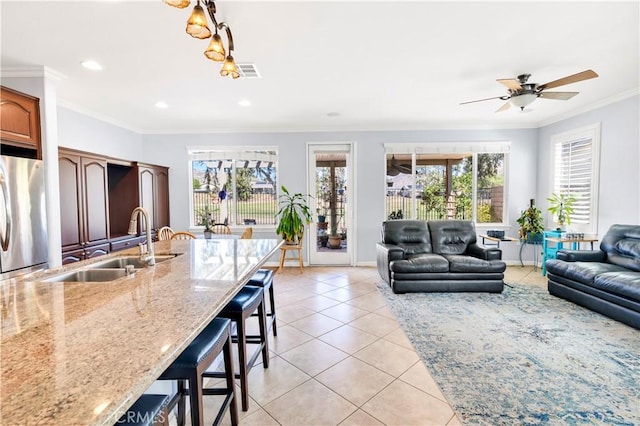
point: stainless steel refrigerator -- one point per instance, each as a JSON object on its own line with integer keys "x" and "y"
{"x": 23, "y": 224}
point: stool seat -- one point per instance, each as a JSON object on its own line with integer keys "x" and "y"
{"x": 200, "y": 348}
{"x": 245, "y": 299}
{"x": 262, "y": 278}
{"x": 148, "y": 410}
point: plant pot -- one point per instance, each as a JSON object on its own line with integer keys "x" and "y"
{"x": 321, "y": 218}
{"x": 334, "y": 241}
{"x": 208, "y": 234}
{"x": 534, "y": 238}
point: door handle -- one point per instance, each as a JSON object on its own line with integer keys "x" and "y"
{"x": 4, "y": 239}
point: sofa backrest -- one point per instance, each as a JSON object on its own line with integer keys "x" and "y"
{"x": 622, "y": 245}
{"x": 412, "y": 235}
{"x": 451, "y": 236}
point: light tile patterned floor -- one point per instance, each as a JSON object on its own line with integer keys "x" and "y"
{"x": 340, "y": 357}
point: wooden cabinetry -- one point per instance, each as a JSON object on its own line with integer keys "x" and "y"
{"x": 19, "y": 123}
{"x": 154, "y": 194}
{"x": 84, "y": 205}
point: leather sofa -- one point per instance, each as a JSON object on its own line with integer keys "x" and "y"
{"x": 606, "y": 280}
{"x": 437, "y": 256}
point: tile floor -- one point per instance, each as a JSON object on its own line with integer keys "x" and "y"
{"x": 340, "y": 357}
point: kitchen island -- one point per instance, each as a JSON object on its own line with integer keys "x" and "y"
{"x": 80, "y": 353}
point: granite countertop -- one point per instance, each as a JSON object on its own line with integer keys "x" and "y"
{"x": 76, "y": 353}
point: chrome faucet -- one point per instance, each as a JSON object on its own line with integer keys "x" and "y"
{"x": 146, "y": 250}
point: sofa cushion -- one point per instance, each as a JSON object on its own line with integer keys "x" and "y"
{"x": 412, "y": 235}
{"x": 625, "y": 284}
{"x": 460, "y": 263}
{"x": 420, "y": 263}
{"x": 583, "y": 272}
{"x": 622, "y": 245}
{"x": 451, "y": 236}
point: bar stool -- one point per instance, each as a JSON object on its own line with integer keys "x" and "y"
{"x": 238, "y": 310}
{"x": 190, "y": 366}
{"x": 264, "y": 279}
{"x": 148, "y": 410}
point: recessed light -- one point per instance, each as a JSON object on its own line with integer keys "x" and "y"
{"x": 333, "y": 114}
{"x": 92, "y": 65}
{"x": 244, "y": 103}
{"x": 161, "y": 104}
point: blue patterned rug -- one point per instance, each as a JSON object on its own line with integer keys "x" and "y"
{"x": 524, "y": 356}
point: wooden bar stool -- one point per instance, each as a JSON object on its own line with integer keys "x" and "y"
{"x": 264, "y": 279}
{"x": 148, "y": 410}
{"x": 248, "y": 300}
{"x": 190, "y": 366}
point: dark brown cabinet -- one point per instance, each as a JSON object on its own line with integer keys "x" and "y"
{"x": 20, "y": 124}
{"x": 154, "y": 194}
{"x": 84, "y": 205}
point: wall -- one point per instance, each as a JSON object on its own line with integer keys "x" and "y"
{"x": 171, "y": 150}
{"x": 79, "y": 131}
{"x": 619, "y": 186}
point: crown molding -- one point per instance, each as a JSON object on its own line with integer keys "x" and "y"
{"x": 32, "y": 72}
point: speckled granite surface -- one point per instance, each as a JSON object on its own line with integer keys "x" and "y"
{"x": 81, "y": 353}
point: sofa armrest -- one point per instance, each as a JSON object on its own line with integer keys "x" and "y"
{"x": 385, "y": 253}
{"x": 581, "y": 255}
{"x": 484, "y": 252}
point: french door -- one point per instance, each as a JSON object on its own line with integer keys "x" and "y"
{"x": 330, "y": 180}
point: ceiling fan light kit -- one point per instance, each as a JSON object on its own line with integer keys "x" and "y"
{"x": 198, "y": 27}
{"x": 522, "y": 94}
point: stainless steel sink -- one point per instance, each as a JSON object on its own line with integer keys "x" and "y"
{"x": 91, "y": 275}
{"x": 123, "y": 262}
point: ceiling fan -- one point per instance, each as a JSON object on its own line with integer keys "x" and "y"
{"x": 394, "y": 169}
{"x": 522, "y": 93}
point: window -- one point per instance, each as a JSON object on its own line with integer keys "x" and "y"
{"x": 575, "y": 173}
{"x": 447, "y": 181}
{"x": 233, "y": 187}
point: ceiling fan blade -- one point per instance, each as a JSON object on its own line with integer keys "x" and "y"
{"x": 562, "y": 96}
{"x": 404, "y": 169}
{"x": 511, "y": 83}
{"x": 584, "y": 75}
{"x": 487, "y": 99}
{"x": 504, "y": 107}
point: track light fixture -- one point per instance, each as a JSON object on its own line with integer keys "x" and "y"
{"x": 197, "y": 27}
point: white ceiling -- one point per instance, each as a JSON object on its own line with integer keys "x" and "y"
{"x": 381, "y": 65}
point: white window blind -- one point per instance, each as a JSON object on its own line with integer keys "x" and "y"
{"x": 576, "y": 173}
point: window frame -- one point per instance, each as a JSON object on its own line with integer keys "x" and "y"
{"x": 234, "y": 154}
{"x": 469, "y": 148}
{"x": 591, "y": 132}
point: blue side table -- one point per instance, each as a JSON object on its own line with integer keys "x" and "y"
{"x": 549, "y": 251}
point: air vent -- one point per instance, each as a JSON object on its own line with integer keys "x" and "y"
{"x": 248, "y": 71}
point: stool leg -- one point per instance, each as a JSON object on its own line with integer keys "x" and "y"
{"x": 242, "y": 358}
{"x": 181, "y": 403}
{"x": 231, "y": 382}
{"x": 195, "y": 399}
{"x": 282, "y": 257}
{"x": 262, "y": 316}
{"x": 273, "y": 310}
{"x": 300, "y": 259}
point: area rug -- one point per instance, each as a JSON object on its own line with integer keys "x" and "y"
{"x": 524, "y": 356}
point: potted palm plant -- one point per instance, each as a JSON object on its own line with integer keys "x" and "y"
{"x": 293, "y": 214}
{"x": 561, "y": 207}
{"x": 531, "y": 225}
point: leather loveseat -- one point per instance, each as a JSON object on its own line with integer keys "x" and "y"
{"x": 437, "y": 256}
{"x": 605, "y": 280}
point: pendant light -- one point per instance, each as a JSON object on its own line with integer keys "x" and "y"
{"x": 197, "y": 23}
{"x": 180, "y": 4}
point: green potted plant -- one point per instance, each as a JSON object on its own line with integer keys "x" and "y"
{"x": 531, "y": 225}
{"x": 293, "y": 214}
{"x": 561, "y": 207}
{"x": 206, "y": 220}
